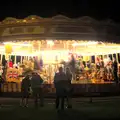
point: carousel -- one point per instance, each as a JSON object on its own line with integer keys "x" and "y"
{"x": 45, "y": 44}
{"x": 93, "y": 61}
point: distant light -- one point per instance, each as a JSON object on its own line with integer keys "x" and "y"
{"x": 24, "y": 20}
{"x": 33, "y": 18}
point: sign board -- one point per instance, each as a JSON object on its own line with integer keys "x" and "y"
{"x": 23, "y": 30}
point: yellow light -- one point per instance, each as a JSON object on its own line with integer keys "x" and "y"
{"x": 50, "y": 42}
{"x": 86, "y": 58}
{"x": 8, "y": 48}
{"x": 33, "y": 18}
{"x": 24, "y": 21}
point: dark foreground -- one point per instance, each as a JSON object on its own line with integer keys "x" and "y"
{"x": 81, "y": 110}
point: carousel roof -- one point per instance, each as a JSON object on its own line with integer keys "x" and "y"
{"x": 59, "y": 27}
{"x": 35, "y": 18}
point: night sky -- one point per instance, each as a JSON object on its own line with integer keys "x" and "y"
{"x": 101, "y": 9}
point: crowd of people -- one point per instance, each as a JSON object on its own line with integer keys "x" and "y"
{"x": 33, "y": 84}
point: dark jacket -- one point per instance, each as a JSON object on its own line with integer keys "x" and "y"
{"x": 69, "y": 77}
{"x": 36, "y": 81}
{"x": 60, "y": 81}
{"x": 68, "y": 84}
{"x": 115, "y": 66}
{"x": 25, "y": 85}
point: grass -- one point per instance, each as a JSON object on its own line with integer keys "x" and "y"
{"x": 107, "y": 110}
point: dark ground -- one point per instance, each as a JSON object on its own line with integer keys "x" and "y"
{"x": 108, "y": 108}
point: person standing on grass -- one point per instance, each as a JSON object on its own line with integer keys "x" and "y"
{"x": 68, "y": 87}
{"x": 59, "y": 82}
{"x": 25, "y": 90}
{"x": 36, "y": 85}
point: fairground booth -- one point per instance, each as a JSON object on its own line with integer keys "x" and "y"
{"x": 45, "y": 44}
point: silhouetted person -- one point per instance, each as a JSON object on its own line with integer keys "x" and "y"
{"x": 4, "y": 64}
{"x": 25, "y": 89}
{"x": 41, "y": 64}
{"x": 59, "y": 82}
{"x": 1, "y": 82}
{"x": 115, "y": 70}
{"x": 72, "y": 65}
{"x": 4, "y": 61}
{"x": 36, "y": 85}
{"x": 36, "y": 63}
{"x": 69, "y": 87}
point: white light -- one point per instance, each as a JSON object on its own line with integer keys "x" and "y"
{"x": 50, "y": 42}
{"x": 7, "y": 43}
{"x": 85, "y": 43}
{"x": 16, "y": 44}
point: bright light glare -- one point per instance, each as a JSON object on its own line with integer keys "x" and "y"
{"x": 50, "y": 56}
{"x": 110, "y": 46}
{"x": 17, "y": 44}
{"x": 85, "y": 43}
{"x": 50, "y": 42}
{"x": 7, "y": 43}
